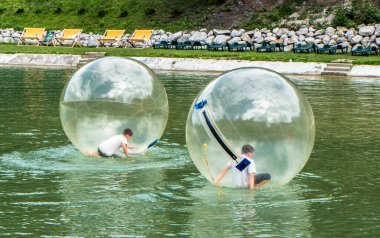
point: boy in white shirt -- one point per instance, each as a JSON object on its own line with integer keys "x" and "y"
{"x": 109, "y": 147}
{"x": 248, "y": 177}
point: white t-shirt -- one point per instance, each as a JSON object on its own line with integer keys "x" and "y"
{"x": 241, "y": 178}
{"x": 112, "y": 145}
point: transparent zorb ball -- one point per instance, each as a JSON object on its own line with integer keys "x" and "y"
{"x": 253, "y": 106}
{"x": 108, "y": 95}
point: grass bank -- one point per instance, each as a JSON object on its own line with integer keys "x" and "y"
{"x": 201, "y": 54}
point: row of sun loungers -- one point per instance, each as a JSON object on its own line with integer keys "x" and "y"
{"x": 188, "y": 45}
{"x": 115, "y": 38}
{"x": 332, "y": 49}
{"x": 110, "y": 37}
{"x": 266, "y": 47}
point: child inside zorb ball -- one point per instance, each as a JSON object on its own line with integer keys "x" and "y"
{"x": 250, "y": 106}
{"x": 109, "y": 95}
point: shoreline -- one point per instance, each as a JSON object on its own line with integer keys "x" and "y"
{"x": 189, "y": 64}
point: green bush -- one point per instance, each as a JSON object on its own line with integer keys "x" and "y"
{"x": 150, "y": 11}
{"x": 57, "y": 10}
{"x": 370, "y": 13}
{"x": 274, "y": 16}
{"x": 176, "y": 12}
{"x": 81, "y": 11}
{"x": 123, "y": 13}
{"x": 286, "y": 10}
{"x": 216, "y": 2}
{"x": 20, "y": 11}
{"x": 340, "y": 18}
{"x": 102, "y": 13}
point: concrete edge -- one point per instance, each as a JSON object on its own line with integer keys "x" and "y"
{"x": 189, "y": 64}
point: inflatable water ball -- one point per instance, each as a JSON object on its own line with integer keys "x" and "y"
{"x": 253, "y": 106}
{"x": 108, "y": 95}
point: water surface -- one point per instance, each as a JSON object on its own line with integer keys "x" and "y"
{"x": 48, "y": 189}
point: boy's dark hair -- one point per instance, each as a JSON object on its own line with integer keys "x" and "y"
{"x": 247, "y": 148}
{"x": 128, "y": 132}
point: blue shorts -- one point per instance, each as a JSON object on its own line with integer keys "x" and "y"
{"x": 261, "y": 177}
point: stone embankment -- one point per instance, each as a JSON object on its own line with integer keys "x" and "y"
{"x": 363, "y": 35}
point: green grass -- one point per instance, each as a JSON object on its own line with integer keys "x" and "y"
{"x": 98, "y": 15}
{"x": 198, "y": 54}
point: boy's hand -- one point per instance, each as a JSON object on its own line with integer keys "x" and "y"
{"x": 131, "y": 146}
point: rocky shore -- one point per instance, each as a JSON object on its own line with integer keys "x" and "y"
{"x": 362, "y": 35}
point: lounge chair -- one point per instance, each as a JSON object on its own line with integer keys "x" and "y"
{"x": 361, "y": 50}
{"x": 303, "y": 48}
{"x": 215, "y": 47}
{"x": 185, "y": 45}
{"x": 48, "y": 38}
{"x": 280, "y": 46}
{"x": 198, "y": 45}
{"x": 162, "y": 44}
{"x": 266, "y": 47}
{"x": 327, "y": 48}
{"x": 237, "y": 47}
{"x": 36, "y": 34}
{"x": 251, "y": 46}
{"x": 142, "y": 36}
{"x": 373, "y": 50}
{"x": 69, "y": 35}
{"x": 172, "y": 44}
{"x": 111, "y": 37}
{"x": 342, "y": 48}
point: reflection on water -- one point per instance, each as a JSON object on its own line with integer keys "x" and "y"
{"x": 49, "y": 189}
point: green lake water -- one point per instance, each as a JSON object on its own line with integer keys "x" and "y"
{"x": 49, "y": 189}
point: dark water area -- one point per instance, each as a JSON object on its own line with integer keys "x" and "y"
{"x": 49, "y": 189}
